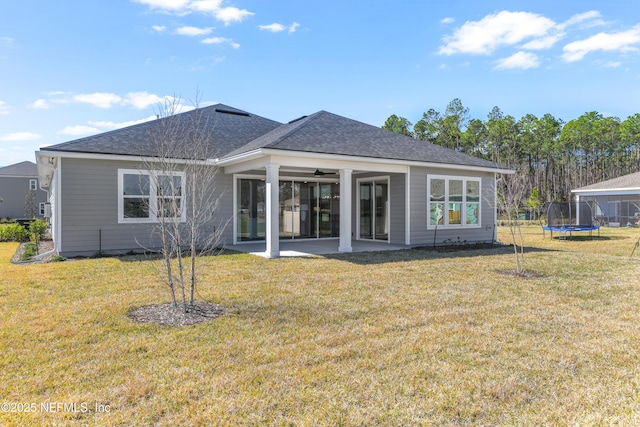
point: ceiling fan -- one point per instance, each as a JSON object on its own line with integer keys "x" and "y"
{"x": 318, "y": 172}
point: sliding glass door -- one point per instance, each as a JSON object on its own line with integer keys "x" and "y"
{"x": 251, "y": 214}
{"x": 307, "y": 210}
{"x": 373, "y": 206}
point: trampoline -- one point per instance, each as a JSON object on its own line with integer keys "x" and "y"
{"x": 570, "y": 217}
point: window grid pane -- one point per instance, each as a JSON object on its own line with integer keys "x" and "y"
{"x": 472, "y": 213}
{"x": 461, "y": 199}
{"x": 145, "y": 196}
{"x": 136, "y": 207}
{"x": 436, "y": 215}
{"x": 455, "y": 210}
{"x": 437, "y": 190}
{"x": 136, "y": 185}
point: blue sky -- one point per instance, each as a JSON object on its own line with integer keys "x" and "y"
{"x": 73, "y": 68}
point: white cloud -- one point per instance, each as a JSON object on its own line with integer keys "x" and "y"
{"x": 165, "y": 5}
{"x": 520, "y": 60}
{"x": 277, "y": 28}
{"x": 138, "y": 100}
{"x": 592, "y": 15}
{"x": 613, "y": 64}
{"x": 4, "y": 108}
{"x": 447, "y": 20}
{"x": 20, "y": 136}
{"x": 40, "y": 104}
{"x": 624, "y": 41}
{"x": 98, "y": 99}
{"x": 7, "y": 41}
{"x": 221, "y": 40}
{"x": 293, "y": 27}
{"x": 228, "y": 14}
{"x": 206, "y": 6}
{"x": 274, "y": 28}
{"x": 544, "y": 42}
{"x": 193, "y": 31}
{"x": 141, "y": 100}
{"x": 114, "y": 125}
{"x": 159, "y": 28}
{"x": 56, "y": 93}
{"x": 493, "y": 31}
{"x": 79, "y": 130}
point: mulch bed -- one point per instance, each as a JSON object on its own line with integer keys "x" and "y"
{"x": 168, "y": 315}
{"x": 44, "y": 246}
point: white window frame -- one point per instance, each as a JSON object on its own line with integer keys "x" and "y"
{"x": 463, "y": 212}
{"x": 153, "y": 196}
{"x": 33, "y": 184}
{"x": 41, "y": 208}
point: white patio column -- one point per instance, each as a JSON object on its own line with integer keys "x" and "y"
{"x": 272, "y": 217}
{"x": 345, "y": 210}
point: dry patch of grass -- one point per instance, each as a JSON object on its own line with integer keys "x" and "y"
{"x": 400, "y": 338}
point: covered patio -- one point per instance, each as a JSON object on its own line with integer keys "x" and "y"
{"x": 315, "y": 247}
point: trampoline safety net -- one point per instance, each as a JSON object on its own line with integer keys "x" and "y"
{"x": 570, "y": 215}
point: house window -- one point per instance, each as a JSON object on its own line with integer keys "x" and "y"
{"x": 150, "y": 196}
{"x": 453, "y": 201}
{"x": 33, "y": 184}
{"x": 41, "y": 210}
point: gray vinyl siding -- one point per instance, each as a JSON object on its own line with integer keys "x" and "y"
{"x": 421, "y": 235}
{"x": 53, "y": 191}
{"x": 89, "y": 210}
{"x": 397, "y": 207}
{"x": 13, "y": 192}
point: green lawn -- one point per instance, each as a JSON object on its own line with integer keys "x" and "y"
{"x": 399, "y": 338}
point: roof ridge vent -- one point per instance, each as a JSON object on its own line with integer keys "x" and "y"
{"x": 298, "y": 119}
{"x": 234, "y": 112}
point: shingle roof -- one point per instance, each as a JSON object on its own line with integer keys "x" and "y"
{"x": 328, "y": 133}
{"x": 226, "y": 127}
{"x": 626, "y": 182}
{"x": 233, "y": 132}
{"x": 26, "y": 169}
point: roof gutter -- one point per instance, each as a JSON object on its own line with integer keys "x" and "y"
{"x": 262, "y": 152}
{"x": 607, "y": 191}
{"x": 122, "y": 157}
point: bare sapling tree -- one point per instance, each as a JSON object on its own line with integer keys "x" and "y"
{"x": 511, "y": 198}
{"x": 184, "y": 197}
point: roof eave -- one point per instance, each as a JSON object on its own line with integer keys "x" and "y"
{"x": 123, "y": 157}
{"x": 261, "y": 152}
{"x": 607, "y": 191}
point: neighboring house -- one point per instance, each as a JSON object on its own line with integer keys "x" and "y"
{"x": 615, "y": 202}
{"x": 321, "y": 176}
{"x": 19, "y": 183}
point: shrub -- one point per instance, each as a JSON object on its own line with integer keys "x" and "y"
{"x": 30, "y": 250}
{"x": 38, "y": 228}
{"x": 13, "y": 233}
{"x": 58, "y": 258}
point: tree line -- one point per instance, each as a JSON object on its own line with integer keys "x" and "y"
{"x": 555, "y": 156}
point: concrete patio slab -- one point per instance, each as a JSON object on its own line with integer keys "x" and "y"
{"x": 308, "y": 248}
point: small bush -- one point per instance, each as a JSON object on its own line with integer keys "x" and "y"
{"x": 38, "y": 228}
{"x": 13, "y": 233}
{"x": 58, "y": 258}
{"x": 30, "y": 250}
